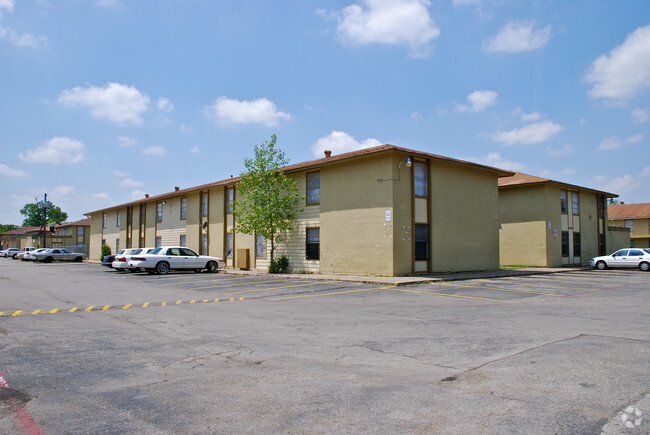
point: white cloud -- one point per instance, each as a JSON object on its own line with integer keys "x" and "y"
{"x": 125, "y": 141}
{"x": 479, "y": 100}
{"x": 623, "y": 184}
{"x": 7, "y": 5}
{"x": 614, "y": 143}
{"x": 625, "y": 71}
{"x": 120, "y": 174}
{"x": 137, "y": 194}
{"x": 466, "y": 2}
{"x": 229, "y": 113}
{"x": 640, "y": 115}
{"x": 494, "y": 159}
{"x": 114, "y": 102}
{"x": 63, "y": 190}
{"x": 416, "y": 117}
{"x": 340, "y": 142}
{"x": 645, "y": 172}
{"x": 6, "y": 171}
{"x": 101, "y": 195}
{"x": 530, "y": 117}
{"x": 108, "y": 3}
{"x": 392, "y": 22}
{"x": 56, "y": 151}
{"x": 23, "y": 40}
{"x": 130, "y": 182}
{"x": 519, "y": 36}
{"x": 538, "y": 132}
{"x": 164, "y": 105}
{"x": 195, "y": 150}
{"x": 566, "y": 150}
{"x": 154, "y": 151}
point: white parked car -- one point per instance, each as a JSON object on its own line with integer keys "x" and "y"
{"x": 20, "y": 254}
{"x": 31, "y": 255}
{"x": 58, "y": 254}
{"x": 162, "y": 260}
{"x": 122, "y": 259}
{"x": 10, "y": 252}
{"x": 628, "y": 257}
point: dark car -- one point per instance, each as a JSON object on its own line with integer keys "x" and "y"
{"x": 107, "y": 260}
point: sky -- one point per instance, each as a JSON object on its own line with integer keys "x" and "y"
{"x": 102, "y": 101}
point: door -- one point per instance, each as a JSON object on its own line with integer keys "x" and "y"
{"x": 620, "y": 259}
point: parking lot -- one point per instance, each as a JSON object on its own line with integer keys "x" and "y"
{"x": 86, "y": 349}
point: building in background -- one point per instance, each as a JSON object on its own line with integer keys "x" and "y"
{"x": 635, "y": 217}
{"x": 385, "y": 210}
{"x": 547, "y": 223}
{"x": 74, "y": 236}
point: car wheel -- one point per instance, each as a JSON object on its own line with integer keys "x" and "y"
{"x": 48, "y": 260}
{"x": 644, "y": 266}
{"x": 151, "y": 271}
{"x": 162, "y": 268}
{"x": 78, "y": 260}
{"x": 212, "y": 267}
{"x": 601, "y": 265}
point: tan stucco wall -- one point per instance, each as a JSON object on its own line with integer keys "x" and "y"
{"x": 617, "y": 238}
{"x": 216, "y": 211}
{"x": 355, "y": 237}
{"x": 95, "y": 236}
{"x": 523, "y": 244}
{"x": 465, "y": 218}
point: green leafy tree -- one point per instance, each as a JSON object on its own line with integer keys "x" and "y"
{"x": 34, "y": 215}
{"x": 267, "y": 198}
{"x": 7, "y": 227}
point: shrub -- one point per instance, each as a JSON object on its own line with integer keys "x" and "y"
{"x": 106, "y": 250}
{"x": 280, "y": 265}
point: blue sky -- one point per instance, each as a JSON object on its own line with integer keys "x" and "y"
{"x": 104, "y": 101}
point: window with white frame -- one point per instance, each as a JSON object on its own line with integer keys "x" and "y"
{"x": 575, "y": 197}
{"x": 204, "y": 244}
{"x": 228, "y": 245}
{"x": 204, "y": 204}
{"x": 183, "y": 240}
{"x": 230, "y": 197}
{"x": 118, "y": 220}
{"x": 313, "y": 243}
{"x": 104, "y": 220}
{"x": 158, "y": 242}
{"x": 159, "y": 211}
{"x": 564, "y": 208}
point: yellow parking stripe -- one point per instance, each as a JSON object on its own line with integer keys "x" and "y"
{"x": 498, "y": 289}
{"x": 274, "y": 288}
{"x": 453, "y": 296}
{"x": 189, "y": 282}
{"x": 329, "y": 294}
{"x": 536, "y": 285}
{"x": 243, "y": 283}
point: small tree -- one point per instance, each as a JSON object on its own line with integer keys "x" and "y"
{"x": 267, "y": 198}
{"x": 106, "y": 250}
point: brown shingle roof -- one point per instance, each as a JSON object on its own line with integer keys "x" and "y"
{"x": 520, "y": 179}
{"x": 317, "y": 163}
{"x": 629, "y": 211}
{"x": 21, "y": 230}
{"x": 79, "y": 223}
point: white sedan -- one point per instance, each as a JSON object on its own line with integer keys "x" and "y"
{"x": 122, "y": 259}
{"x": 162, "y": 260}
{"x": 628, "y": 257}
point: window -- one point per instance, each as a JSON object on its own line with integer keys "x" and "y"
{"x": 421, "y": 241}
{"x": 260, "y": 246}
{"x": 104, "y": 221}
{"x": 629, "y": 224}
{"x": 183, "y": 208}
{"x": 119, "y": 219}
{"x": 576, "y": 202}
{"x": 158, "y": 242}
{"x": 117, "y": 245}
{"x": 204, "y": 204}
{"x": 313, "y": 188}
{"x": 313, "y": 243}
{"x": 576, "y": 245}
{"x": 81, "y": 231}
{"x": 204, "y": 244}
{"x": 636, "y": 253}
{"x": 563, "y": 203}
{"x": 228, "y": 245}
{"x": 420, "y": 178}
{"x": 183, "y": 240}
{"x": 565, "y": 243}
{"x": 230, "y": 197}
{"x": 159, "y": 212}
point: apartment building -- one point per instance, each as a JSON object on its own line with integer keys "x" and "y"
{"x": 635, "y": 217}
{"x": 548, "y": 223}
{"x": 385, "y": 210}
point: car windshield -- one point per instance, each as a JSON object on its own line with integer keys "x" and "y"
{"x": 155, "y": 251}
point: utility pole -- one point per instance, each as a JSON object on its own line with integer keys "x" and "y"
{"x": 45, "y": 204}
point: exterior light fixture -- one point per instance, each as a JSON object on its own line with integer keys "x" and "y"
{"x": 408, "y": 162}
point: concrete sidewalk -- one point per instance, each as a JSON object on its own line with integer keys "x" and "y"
{"x": 416, "y": 279}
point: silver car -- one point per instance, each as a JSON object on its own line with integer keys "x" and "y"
{"x": 624, "y": 258}
{"x": 58, "y": 254}
{"x": 31, "y": 255}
